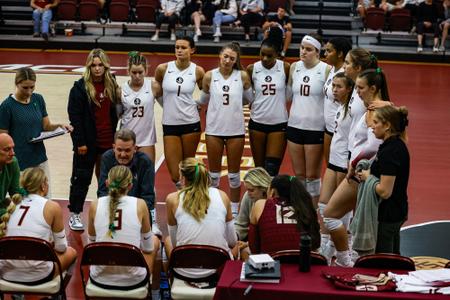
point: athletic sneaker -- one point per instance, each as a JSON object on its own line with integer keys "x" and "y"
{"x": 75, "y": 222}
{"x": 442, "y": 48}
{"x": 173, "y": 37}
{"x": 419, "y": 49}
{"x": 216, "y": 39}
{"x": 435, "y": 49}
{"x": 217, "y": 33}
{"x": 198, "y": 32}
{"x": 154, "y": 38}
{"x": 195, "y": 38}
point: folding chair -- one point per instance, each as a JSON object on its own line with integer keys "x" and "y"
{"x": 385, "y": 261}
{"x": 112, "y": 254}
{"x": 375, "y": 18}
{"x": 29, "y": 248}
{"x": 293, "y": 257}
{"x": 195, "y": 257}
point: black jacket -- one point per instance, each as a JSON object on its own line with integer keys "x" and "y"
{"x": 82, "y": 117}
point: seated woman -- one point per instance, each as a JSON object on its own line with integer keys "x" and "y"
{"x": 124, "y": 219}
{"x": 277, "y": 223}
{"x": 199, "y": 214}
{"x": 31, "y": 214}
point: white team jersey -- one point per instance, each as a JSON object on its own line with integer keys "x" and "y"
{"x": 138, "y": 113}
{"x": 225, "y": 116}
{"x": 364, "y": 139}
{"x": 179, "y": 108}
{"x": 127, "y": 230}
{"x": 307, "y": 101}
{"x": 356, "y": 109}
{"x": 28, "y": 220}
{"x": 269, "y": 106}
{"x": 330, "y": 106}
{"x": 339, "y": 142}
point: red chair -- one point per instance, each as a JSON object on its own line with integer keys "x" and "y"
{"x": 272, "y": 5}
{"x": 89, "y": 10}
{"x": 112, "y": 254}
{"x": 293, "y": 257}
{"x": 195, "y": 257}
{"x": 400, "y": 20}
{"x": 375, "y": 18}
{"x": 145, "y": 12}
{"x": 67, "y": 10}
{"x": 385, "y": 261}
{"x": 119, "y": 10}
{"x": 28, "y": 248}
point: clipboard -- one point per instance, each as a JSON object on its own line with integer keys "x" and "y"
{"x": 48, "y": 135}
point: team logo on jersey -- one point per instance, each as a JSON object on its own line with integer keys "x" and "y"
{"x": 306, "y": 79}
{"x": 179, "y": 80}
{"x": 226, "y": 88}
{"x": 268, "y": 78}
{"x": 329, "y": 81}
{"x": 137, "y": 101}
{"x": 338, "y": 115}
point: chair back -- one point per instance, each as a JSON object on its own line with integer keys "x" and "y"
{"x": 119, "y": 11}
{"x": 375, "y": 18}
{"x": 30, "y": 248}
{"x": 385, "y": 261}
{"x": 67, "y": 10}
{"x": 89, "y": 10}
{"x": 293, "y": 257}
{"x": 197, "y": 257}
{"x": 400, "y": 20}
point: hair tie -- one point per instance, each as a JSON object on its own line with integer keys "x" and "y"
{"x": 133, "y": 54}
{"x": 115, "y": 184}
{"x": 292, "y": 178}
{"x": 378, "y": 70}
{"x": 196, "y": 171}
{"x": 23, "y": 192}
{"x": 112, "y": 229}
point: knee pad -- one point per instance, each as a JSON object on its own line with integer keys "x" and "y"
{"x": 234, "y": 180}
{"x": 272, "y": 165}
{"x": 313, "y": 187}
{"x": 215, "y": 179}
{"x": 321, "y": 208}
{"x": 346, "y": 219}
{"x": 332, "y": 224}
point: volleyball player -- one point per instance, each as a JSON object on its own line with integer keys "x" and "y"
{"x": 268, "y": 115}
{"x": 306, "y": 122}
{"x": 225, "y": 89}
{"x": 181, "y": 120}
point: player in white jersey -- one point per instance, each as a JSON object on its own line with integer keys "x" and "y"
{"x": 199, "y": 214}
{"x": 338, "y": 160}
{"x": 124, "y": 219}
{"x": 225, "y": 88}
{"x": 306, "y": 123}
{"x": 335, "y": 51}
{"x": 138, "y": 98}
{"x": 181, "y": 120}
{"x": 372, "y": 89}
{"x": 30, "y": 214}
{"x": 268, "y": 115}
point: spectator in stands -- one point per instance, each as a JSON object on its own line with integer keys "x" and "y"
{"x": 170, "y": 12}
{"x": 42, "y": 15}
{"x": 226, "y": 13}
{"x": 445, "y": 25}
{"x": 117, "y": 217}
{"x": 124, "y": 153}
{"x": 24, "y": 116}
{"x": 290, "y": 4}
{"x": 93, "y": 104}
{"x": 276, "y": 223}
{"x": 202, "y": 11}
{"x": 362, "y": 7}
{"x": 42, "y": 219}
{"x": 199, "y": 214}
{"x": 252, "y": 14}
{"x": 281, "y": 20}
{"x": 427, "y": 18}
{"x": 9, "y": 168}
{"x": 389, "y": 5}
{"x": 391, "y": 168}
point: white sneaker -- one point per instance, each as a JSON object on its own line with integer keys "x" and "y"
{"x": 198, "y": 32}
{"x": 75, "y": 222}
{"x": 419, "y": 49}
{"x": 442, "y": 48}
{"x": 154, "y": 38}
{"x": 195, "y": 38}
{"x": 217, "y": 33}
{"x": 435, "y": 49}
{"x": 216, "y": 39}
{"x": 173, "y": 37}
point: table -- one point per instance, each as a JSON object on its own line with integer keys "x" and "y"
{"x": 297, "y": 285}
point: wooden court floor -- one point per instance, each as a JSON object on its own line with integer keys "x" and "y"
{"x": 423, "y": 88}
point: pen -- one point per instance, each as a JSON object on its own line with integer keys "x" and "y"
{"x": 248, "y": 289}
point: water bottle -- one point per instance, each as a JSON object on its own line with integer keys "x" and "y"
{"x": 164, "y": 288}
{"x": 305, "y": 253}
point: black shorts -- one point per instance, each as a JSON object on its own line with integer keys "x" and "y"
{"x": 329, "y": 133}
{"x": 179, "y": 130}
{"x": 337, "y": 169}
{"x": 266, "y": 128}
{"x": 228, "y": 137}
{"x": 304, "y": 137}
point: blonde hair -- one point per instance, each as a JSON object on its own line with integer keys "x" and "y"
{"x": 196, "y": 195}
{"x": 397, "y": 117}
{"x": 23, "y": 74}
{"x": 119, "y": 178}
{"x": 259, "y": 178}
{"x": 31, "y": 181}
{"x": 111, "y": 85}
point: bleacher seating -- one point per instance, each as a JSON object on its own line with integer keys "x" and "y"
{"x": 67, "y": 10}
{"x": 88, "y": 10}
{"x": 400, "y": 20}
{"x": 119, "y": 10}
{"x": 375, "y": 18}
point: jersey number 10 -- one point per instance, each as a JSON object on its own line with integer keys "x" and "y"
{"x": 304, "y": 89}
